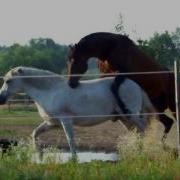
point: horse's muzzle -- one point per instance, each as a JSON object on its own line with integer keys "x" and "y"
{"x": 3, "y": 100}
{"x": 72, "y": 84}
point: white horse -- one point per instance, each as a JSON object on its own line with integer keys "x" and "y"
{"x": 89, "y": 104}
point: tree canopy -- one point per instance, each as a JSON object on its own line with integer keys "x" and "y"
{"x": 40, "y": 53}
{"x": 46, "y": 54}
{"x": 164, "y": 48}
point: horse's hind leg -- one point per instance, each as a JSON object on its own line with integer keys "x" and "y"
{"x": 161, "y": 104}
{"x": 39, "y": 130}
{"x": 167, "y": 122}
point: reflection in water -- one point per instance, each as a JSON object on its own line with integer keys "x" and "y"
{"x": 82, "y": 157}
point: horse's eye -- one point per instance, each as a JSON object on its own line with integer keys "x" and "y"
{"x": 71, "y": 60}
{"x": 8, "y": 81}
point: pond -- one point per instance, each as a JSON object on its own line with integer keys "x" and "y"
{"x": 83, "y": 157}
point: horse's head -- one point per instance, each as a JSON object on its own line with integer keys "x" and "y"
{"x": 12, "y": 84}
{"x": 77, "y": 65}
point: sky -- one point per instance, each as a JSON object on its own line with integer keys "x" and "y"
{"x": 67, "y": 21}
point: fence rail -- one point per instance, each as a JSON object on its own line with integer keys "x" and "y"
{"x": 99, "y": 74}
{"x": 95, "y": 116}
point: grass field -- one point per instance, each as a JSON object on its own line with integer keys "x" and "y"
{"x": 18, "y": 115}
{"x": 139, "y": 168}
{"x": 138, "y": 159}
{"x": 135, "y": 163}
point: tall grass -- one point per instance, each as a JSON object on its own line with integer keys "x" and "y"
{"x": 133, "y": 144}
{"x": 140, "y": 158}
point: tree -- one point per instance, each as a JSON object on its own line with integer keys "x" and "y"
{"x": 162, "y": 47}
{"x": 40, "y": 53}
{"x": 119, "y": 27}
{"x": 176, "y": 40}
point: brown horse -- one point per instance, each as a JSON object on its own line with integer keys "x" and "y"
{"x": 124, "y": 56}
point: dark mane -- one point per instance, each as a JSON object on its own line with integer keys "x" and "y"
{"x": 98, "y": 38}
{"x": 35, "y": 81}
{"x": 95, "y": 41}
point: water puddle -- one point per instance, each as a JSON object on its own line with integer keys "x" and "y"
{"x": 82, "y": 157}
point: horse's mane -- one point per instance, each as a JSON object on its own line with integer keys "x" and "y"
{"x": 30, "y": 71}
{"x": 32, "y": 79}
{"x": 103, "y": 39}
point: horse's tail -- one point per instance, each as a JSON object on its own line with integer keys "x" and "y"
{"x": 115, "y": 90}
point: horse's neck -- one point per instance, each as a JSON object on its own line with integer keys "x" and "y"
{"x": 34, "y": 93}
{"x": 40, "y": 99}
{"x": 91, "y": 50}
{"x": 41, "y": 88}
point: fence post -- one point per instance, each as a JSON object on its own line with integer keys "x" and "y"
{"x": 177, "y": 105}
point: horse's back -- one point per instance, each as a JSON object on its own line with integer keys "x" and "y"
{"x": 97, "y": 86}
{"x": 129, "y": 91}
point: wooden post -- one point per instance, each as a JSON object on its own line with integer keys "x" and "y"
{"x": 177, "y": 105}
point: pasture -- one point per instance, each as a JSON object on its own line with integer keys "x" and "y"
{"x": 138, "y": 160}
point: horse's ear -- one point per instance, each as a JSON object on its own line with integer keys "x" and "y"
{"x": 20, "y": 71}
{"x": 16, "y": 72}
{"x": 72, "y": 47}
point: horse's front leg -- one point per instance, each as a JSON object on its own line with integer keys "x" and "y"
{"x": 68, "y": 129}
{"x": 39, "y": 130}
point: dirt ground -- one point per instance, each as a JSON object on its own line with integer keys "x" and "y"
{"x": 102, "y": 137}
